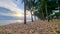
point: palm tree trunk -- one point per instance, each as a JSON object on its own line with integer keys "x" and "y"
{"x": 24, "y": 12}
{"x": 58, "y": 5}
{"x": 31, "y": 16}
{"x": 42, "y": 15}
{"x": 46, "y": 10}
{"x": 35, "y": 18}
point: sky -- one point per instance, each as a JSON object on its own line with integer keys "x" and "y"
{"x": 12, "y": 10}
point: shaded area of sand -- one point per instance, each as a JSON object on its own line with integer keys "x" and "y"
{"x": 37, "y": 27}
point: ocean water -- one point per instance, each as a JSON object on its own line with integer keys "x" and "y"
{"x": 5, "y": 22}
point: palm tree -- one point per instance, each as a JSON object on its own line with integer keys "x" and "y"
{"x": 25, "y": 2}
{"x": 30, "y": 7}
{"x": 46, "y": 8}
{"x": 41, "y": 8}
{"x": 58, "y": 4}
{"x": 31, "y": 16}
{"x": 24, "y": 11}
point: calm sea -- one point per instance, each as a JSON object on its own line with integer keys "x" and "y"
{"x": 5, "y": 22}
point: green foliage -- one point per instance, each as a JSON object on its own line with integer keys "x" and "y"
{"x": 51, "y": 5}
{"x": 42, "y": 8}
{"x": 57, "y": 14}
{"x": 36, "y": 13}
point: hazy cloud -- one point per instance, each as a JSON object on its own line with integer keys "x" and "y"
{"x": 14, "y": 6}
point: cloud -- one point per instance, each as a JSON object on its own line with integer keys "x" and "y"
{"x": 11, "y": 5}
{"x": 5, "y": 14}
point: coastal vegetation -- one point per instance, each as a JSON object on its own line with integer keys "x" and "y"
{"x": 43, "y": 9}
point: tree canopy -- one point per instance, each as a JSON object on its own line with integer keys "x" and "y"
{"x": 42, "y": 8}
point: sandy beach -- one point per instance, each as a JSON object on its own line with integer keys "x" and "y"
{"x": 37, "y": 27}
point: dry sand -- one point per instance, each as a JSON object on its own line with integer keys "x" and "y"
{"x": 37, "y": 27}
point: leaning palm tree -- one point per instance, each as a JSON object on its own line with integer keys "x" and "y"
{"x": 30, "y": 7}
{"x": 39, "y": 8}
